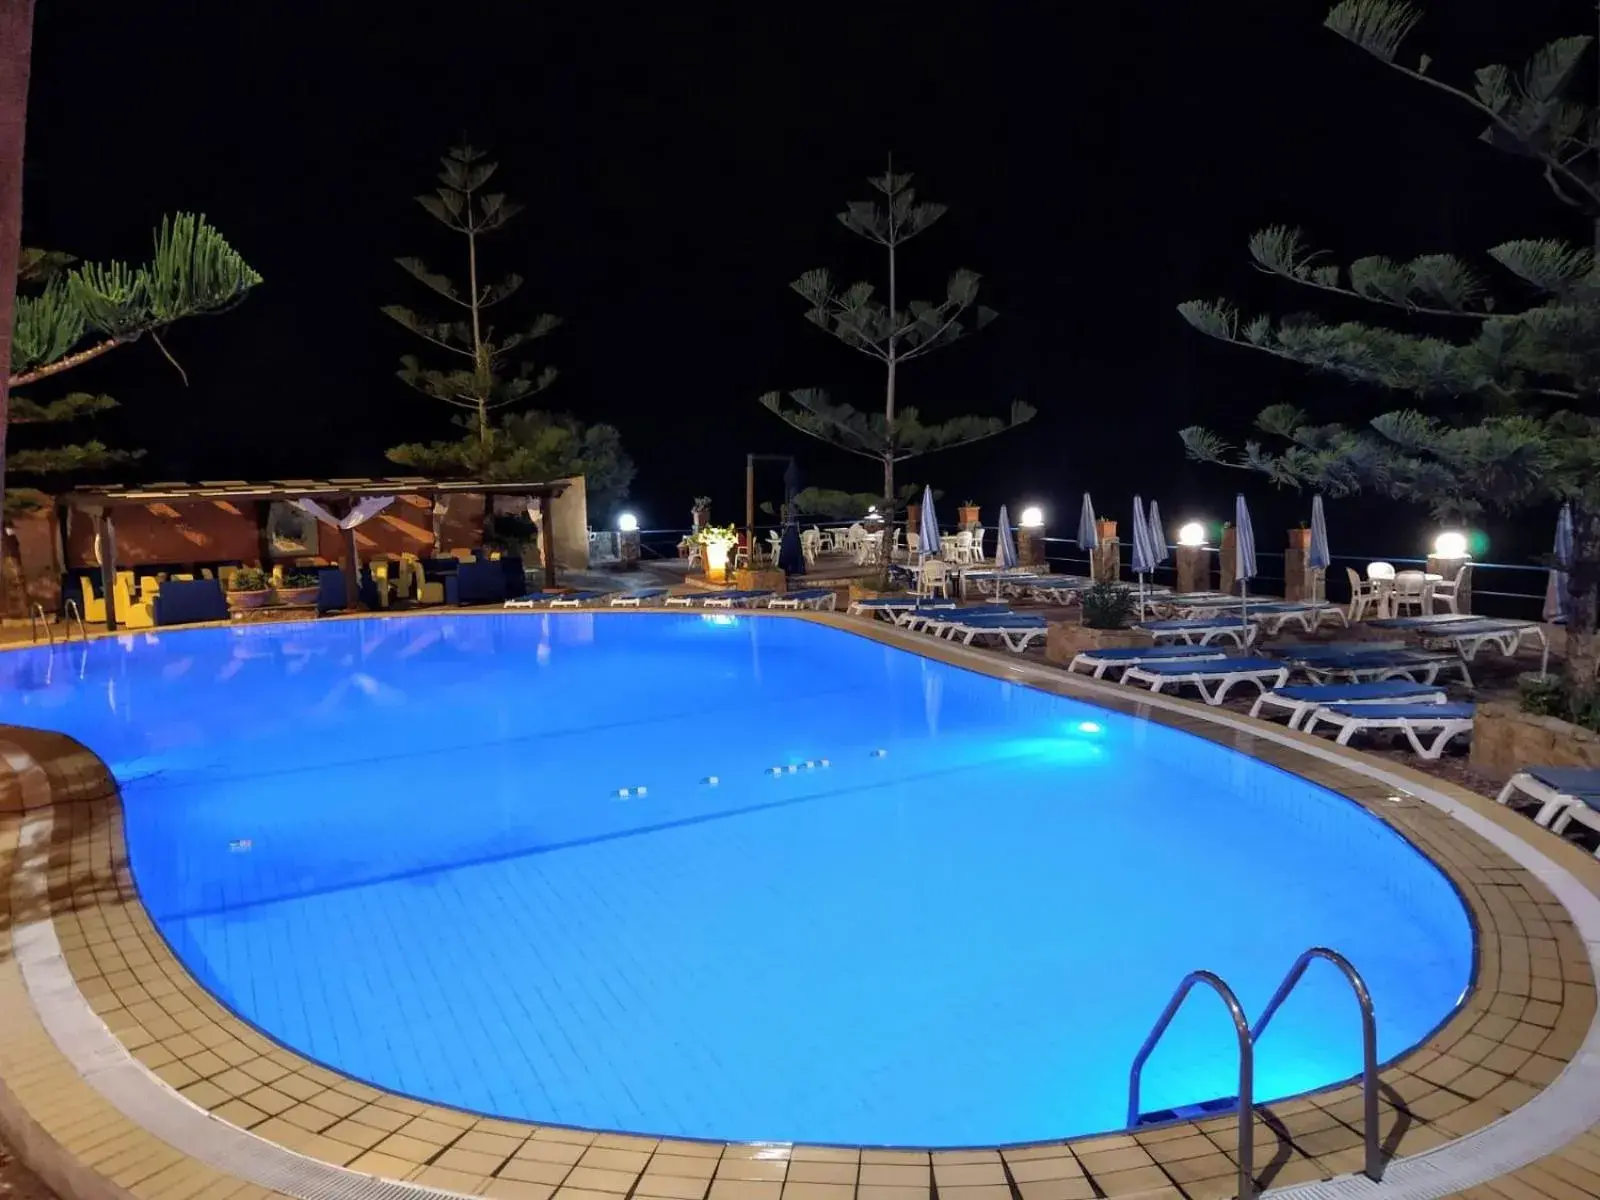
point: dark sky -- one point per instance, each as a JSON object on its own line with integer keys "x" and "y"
{"x": 682, "y": 163}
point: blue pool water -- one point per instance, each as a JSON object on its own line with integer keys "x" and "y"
{"x": 396, "y": 847}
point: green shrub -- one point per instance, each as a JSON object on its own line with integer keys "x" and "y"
{"x": 1547, "y": 696}
{"x": 300, "y": 579}
{"x": 248, "y": 579}
{"x": 1109, "y": 606}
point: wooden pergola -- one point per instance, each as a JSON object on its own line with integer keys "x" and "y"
{"x": 100, "y": 503}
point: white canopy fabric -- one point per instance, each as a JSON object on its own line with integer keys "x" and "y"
{"x": 363, "y": 512}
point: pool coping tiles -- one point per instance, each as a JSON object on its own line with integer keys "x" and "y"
{"x": 64, "y": 867}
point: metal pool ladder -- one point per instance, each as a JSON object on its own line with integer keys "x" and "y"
{"x": 1248, "y": 1036}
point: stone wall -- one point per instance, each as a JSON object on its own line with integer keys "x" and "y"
{"x": 1506, "y": 739}
{"x": 1067, "y": 639}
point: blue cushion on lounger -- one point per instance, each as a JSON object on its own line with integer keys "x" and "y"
{"x": 1574, "y": 781}
{"x": 1404, "y": 712}
{"x": 1383, "y": 689}
{"x": 1211, "y": 666}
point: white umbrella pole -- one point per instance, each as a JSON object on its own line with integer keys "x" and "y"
{"x": 1244, "y": 602}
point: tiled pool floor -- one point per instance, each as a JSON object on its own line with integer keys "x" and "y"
{"x": 1526, "y": 1019}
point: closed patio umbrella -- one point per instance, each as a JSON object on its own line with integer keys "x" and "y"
{"x": 1244, "y": 554}
{"x": 1144, "y": 554}
{"x": 1158, "y": 535}
{"x": 1005, "y": 553}
{"x": 1317, "y": 558}
{"x": 928, "y": 526}
{"x": 1087, "y": 538}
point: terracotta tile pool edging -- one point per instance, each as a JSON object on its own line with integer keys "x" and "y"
{"x": 1312, "y": 1129}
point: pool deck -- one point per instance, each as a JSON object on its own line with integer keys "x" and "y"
{"x": 162, "y": 1094}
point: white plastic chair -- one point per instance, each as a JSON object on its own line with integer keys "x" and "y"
{"x": 963, "y": 548}
{"x": 810, "y": 546}
{"x": 1447, "y": 593}
{"x": 1410, "y": 592}
{"x": 1363, "y": 595}
{"x": 934, "y": 579}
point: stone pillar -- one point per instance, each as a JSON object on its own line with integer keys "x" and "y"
{"x": 1449, "y": 568}
{"x": 1194, "y": 569}
{"x": 1105, "y": 561}
{"x": 628, "y": 547}
{"x": 1030, "y": 548}
{"x": 1299, "y": 578}
{"x": 1228, "y": 560}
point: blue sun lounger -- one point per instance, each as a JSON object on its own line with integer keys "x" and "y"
{"x": 737, "y": 599}
{"x": 1428, "y": 622}
{"x": 577, "y": 599}
{"x": 1442, "y": 721}
{"x": 888, "y": 607}
{"x": 1468, "y": 637}
{"x": 1361, "y": 666}
{"x": 937, "y": 620}
{"x": 1016, "y": 631}
{"x": 536, "y": 600}
{"x": 637, "y": 597}
{"x": 812, "y": 598}
{"x": 1212, "y": 677}
{"x": 1200, "y": 631}
{"x": 1119, "y": 658}
{"x": 1304, "y": 700}
{"x": 1565, "y": 794}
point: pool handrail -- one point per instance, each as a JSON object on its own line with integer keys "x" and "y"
{"x": 1369, "y": 1041}
{"x": 1241, "y": 1026}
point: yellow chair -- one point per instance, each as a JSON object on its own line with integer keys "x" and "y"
{"x": 136, "y": 613}
{"x": 461, "y": 554}
{"x": 380, "y": 579}
{"x": 94, "y": 607}
{"x": 418, "y": 586}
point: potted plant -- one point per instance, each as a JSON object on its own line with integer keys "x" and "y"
{"x": 1105, "y": 619}
{"x": 700, "y": 514}
{"x": 248, "y": 588}
{"x": 716, "y": 544}
{"x": 298, "y": 589}
{"x": 1300, "y": 538}
{"x": 970, "y": 515}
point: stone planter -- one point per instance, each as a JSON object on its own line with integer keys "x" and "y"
{"x": 1067, "y": 639}
{"x": 299, "y": 597}
{"x": 1106, "y": 531}
{"x": 1299, "y": 539}
{"x": 913, "y": 517}
{"x": 243, "y": 601}
{"x": 1505, "y": 739}
{"x": 971, "y": 516}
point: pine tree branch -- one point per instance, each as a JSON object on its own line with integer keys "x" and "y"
{"x": 1553, "y": 164}
{"x": 68, "y": 362}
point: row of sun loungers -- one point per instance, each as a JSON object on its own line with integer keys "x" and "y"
{"x": 808, "y": 598}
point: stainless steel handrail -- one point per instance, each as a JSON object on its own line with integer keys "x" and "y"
{"x": 1369, "y": 1040}
{"x": 36, "y": 618}
{"x": 1247, "y": 1182}
{"x": 74, "y": 613}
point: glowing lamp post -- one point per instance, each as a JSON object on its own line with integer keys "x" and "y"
{"x": 1452, "y": 552}
{"x": 1030, "y": 537}
{"x": 1192, "y": 561}
{"x": 628, "y": 538}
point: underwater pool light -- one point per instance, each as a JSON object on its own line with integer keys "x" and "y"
{"x": 1088, "y": 727}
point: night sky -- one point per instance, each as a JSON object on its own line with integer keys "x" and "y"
{"x": 682, "y": 163}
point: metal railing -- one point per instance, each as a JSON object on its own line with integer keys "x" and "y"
{"x": 1241, "y": 1028}
{"x": 1248, "y": 1037}
{"x": 37, "y": 617}
{"x": 1369, "y": 1041}
{"x": 74, "y": 616}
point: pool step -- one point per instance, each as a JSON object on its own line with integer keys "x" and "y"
{"x": 1189, "y": 1112}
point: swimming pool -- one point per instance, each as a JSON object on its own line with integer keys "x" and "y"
{"x": 398, "y": 847}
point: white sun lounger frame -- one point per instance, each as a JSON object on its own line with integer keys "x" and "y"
{"x": 1299, "y": 710}
{"x": 1349, "y": 725}
{"x": 1221, "y": 681}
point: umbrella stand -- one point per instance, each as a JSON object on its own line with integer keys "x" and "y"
{"x": 1244, "y": 604}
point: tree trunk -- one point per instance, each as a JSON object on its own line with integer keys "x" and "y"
{"x": 1583, "y": 601}
{"x": 16, "y": 53}
{"x": 886, "y": 555}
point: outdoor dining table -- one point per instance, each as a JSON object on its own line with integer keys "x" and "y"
{"x": 1386, "y": 592}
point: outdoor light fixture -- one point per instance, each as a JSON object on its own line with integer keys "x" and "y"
{"x": 1032, "y": 517}
{"x": 1450, "y": 545}
{"x": 1088, "y": 727}
{"x": 1192, "y": 534}
{"x": 628, "y": 523}
{"x": 872, "y": 510}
